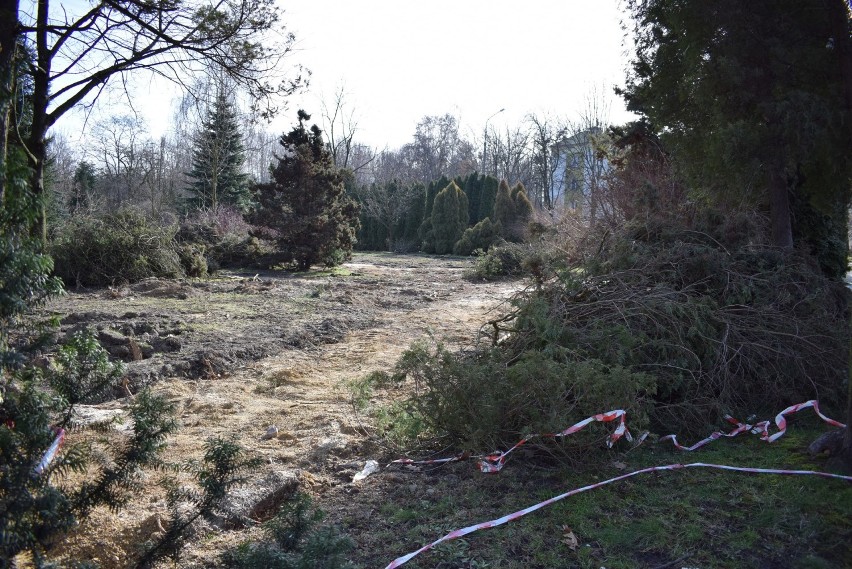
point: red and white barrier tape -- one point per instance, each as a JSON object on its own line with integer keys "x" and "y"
{"x": 50, "y": 453}
{"x": 761, "y": 428}
{"x": 494, "y": 462}
{"x": 520, "y": 513}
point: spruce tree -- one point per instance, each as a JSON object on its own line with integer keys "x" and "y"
{"x": 217, "y": 162}
{"x": 305, "y": 203}
{"x": 449, "y": 218}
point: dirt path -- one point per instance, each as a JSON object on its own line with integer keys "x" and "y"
{"x": 301, "y": 389}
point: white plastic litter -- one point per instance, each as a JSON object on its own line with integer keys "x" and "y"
{"x": 369, "y": 468}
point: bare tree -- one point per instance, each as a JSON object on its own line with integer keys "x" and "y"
{"x": 123, "y": 152}
{"x": 439, "y": 150}
{"x": 339, "y": 125}
{"x": 588, "y": 147}
{"x": 511, "y": 155}
{"x": 76, "y": 56}
{"x": 545, "y": 133}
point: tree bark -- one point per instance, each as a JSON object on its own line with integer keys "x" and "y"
{"x": 8, "y": 41}
{"x": 779, "y": 206}
{"x": 37, "y": 143}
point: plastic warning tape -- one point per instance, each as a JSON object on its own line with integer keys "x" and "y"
{"x": 520, "y": 513}
{"x": 761, "y": 428}
{"x": 495, "y": 461}
{"x": 50, "y": 453}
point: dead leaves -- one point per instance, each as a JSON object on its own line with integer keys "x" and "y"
{"x": 569, "y": 539}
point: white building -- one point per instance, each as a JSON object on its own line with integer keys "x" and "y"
{"x": 579, "y": 177}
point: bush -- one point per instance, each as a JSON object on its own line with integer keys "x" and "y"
{"x": 224, "y": 239}
{"x": 479, "y": 237}
{"x": 293, "y": 541}
{"x": 122, "y": 247}
{"x": 491, "y": 398}
{"x": 35, "y": 407}
{"x": 505, "y": 260}
{"x": 677, "y": 321}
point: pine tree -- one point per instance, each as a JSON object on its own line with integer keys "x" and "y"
{"x": 84, "y": 187}
{"x": 449, "y": 218}
{"x": 305, "y": 203}
{"x": 217, "y": 162}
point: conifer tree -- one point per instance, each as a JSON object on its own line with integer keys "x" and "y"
{"x": 84, "y": 187}
{"x": 523, "y": 205}
{"x": 504, "y": 207}
{"x": 306, "y": 204}
{"x": 449, "y": 218}
{"x": 426, "y": 235}
{"x": 217, "y": 162}
{"x": 488, "y": 195}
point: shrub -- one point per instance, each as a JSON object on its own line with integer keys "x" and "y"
{"x": 293, "y": 541}
{"x": 224, "y": 239}
{"x": 35, "y": 407}
{"x": 479, "y": 237}
{"x": 122, "y": 247}
{"x": 679, "y": 321}
{"x": 492, "y": 397}
{"x": 501, "y": 261}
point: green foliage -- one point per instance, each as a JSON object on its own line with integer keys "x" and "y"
{"x": 211, "y": 239}
{"x": 480, "y": 237}
{"x": 223, "y": 466}
{"x": 292, "y": 540}
{"x": 498, "y": 262}
{"x": 425, "y": 232}
{"x": 121, "y": 247}
{"x": 493, "y": 398}
{"x": 217, "y": 162}
{"x": 513, "y": 211}
{"x": 449, "y": 218}
{"x": 752, "y": 101}
{"x": 35, "y": 405}
{"x": 84, "y": 188}
{"x": 305, "y": 204}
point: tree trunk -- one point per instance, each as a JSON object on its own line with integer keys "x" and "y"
{"x": 36, "y": 143}
{"x": 8, "y": 40}
{"x": 779, "y": 206}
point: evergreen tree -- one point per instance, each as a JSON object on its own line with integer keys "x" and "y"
{"x": 217, "y": 161}
{"x": 84, "y": 188}
{"x": 425, "y": 232}
{"x": 479, "y": 237}
{"x": 449, "y": 218}
{"x": 755, "y": 101}
{"x": 504, "y": 207}
{"x": 305, "y": 202}
{"x": 488, "y": 195}
{"x": 522, "y": 205}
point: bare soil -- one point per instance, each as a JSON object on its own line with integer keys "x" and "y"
{"x": 240, "y": 353}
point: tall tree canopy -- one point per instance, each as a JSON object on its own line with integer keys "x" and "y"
{"x": 218, "y": 156}
{"x": 76, "y": 53}
{"x": 753, "y": 98}
{"x": 306, "y": 203}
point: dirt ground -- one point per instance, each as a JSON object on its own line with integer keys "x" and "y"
{"x": 241, "y": 353}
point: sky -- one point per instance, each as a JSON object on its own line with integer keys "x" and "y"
{"x": 400, "y": 60}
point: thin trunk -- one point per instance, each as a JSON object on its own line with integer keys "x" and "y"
{"x": 36, "y": 143}
{"x": 779, "y": 207}
{"x": 8, "y": 41}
